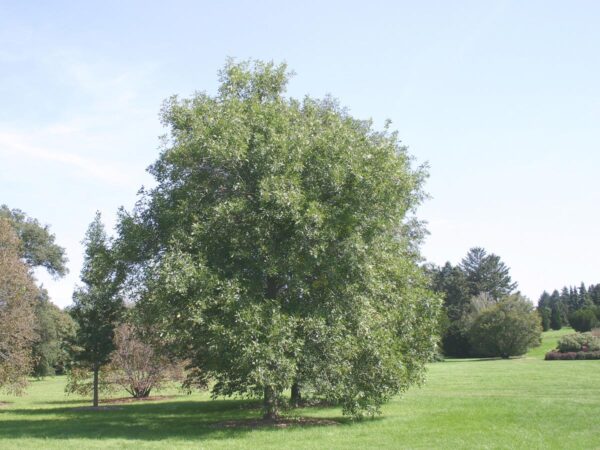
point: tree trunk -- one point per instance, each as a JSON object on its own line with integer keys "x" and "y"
{"x": 296, "y": 397}
{"x": 270, "y": 411}
{"x": 270, "y": 404}
{"x": 96, "y": 370}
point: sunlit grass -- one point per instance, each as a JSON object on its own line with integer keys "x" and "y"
{"x": 519, "y": 403}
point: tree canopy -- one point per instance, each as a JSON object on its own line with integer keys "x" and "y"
{"x": 277, "y": 248}
{"x": 36, "y": 243}
{"x": 568, "y": 302}
{"x": 17, "y": 295}
{"x": 487, "y": 274}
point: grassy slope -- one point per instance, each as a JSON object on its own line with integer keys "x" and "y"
{"x": 522, "y": 403}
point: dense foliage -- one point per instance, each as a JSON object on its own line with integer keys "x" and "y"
{"x": 564, "y": 304}
{"x": 480, "y": 280}
{"x": 36, "y": 243}
{"x": 507, "y": 328}
{"x": 34, "y": 246}
{"x": 276, "y": 248}
{"x": 584, "y": 319}
{"x": 579, "y": 342}
{"x": 17, "y": 296}
{"x": 55, "y": 331}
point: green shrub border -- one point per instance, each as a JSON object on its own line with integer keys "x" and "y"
{"x": 556, "y": 355}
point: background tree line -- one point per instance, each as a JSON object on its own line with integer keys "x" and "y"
{"x": 578, "y": 307}
{"x": 483, "y": 316}
{"x": 36, "y": 335}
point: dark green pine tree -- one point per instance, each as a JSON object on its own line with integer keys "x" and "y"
{"x": 568, "y": 298}
{"x": 545, "y": 310}
{"x": 487, "y": 274}
{"x": 544, "y": 301}
{"x": 594, "y": 294}
{"x": 556, "y": 317}
{"x": 452, "y": 283}
{"x": 584, "y": 300}
{"x": 97, "y": 304}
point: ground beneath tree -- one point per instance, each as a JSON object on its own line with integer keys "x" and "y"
{"x": 114, "y": 401}
{"x": 153, "y": 398}
{"x": 97, "y": 408}
{"x": 283, "y": 422}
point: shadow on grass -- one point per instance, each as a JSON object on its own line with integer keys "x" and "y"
{"x": 62, "y": 402}
{"x": 147, "y": 421}
{"x": 462, "y": 360}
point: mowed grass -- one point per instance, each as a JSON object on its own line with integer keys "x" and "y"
{"x": 523, "y": 403}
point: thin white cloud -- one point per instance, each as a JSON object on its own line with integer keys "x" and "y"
{"x": 15, "y": 145}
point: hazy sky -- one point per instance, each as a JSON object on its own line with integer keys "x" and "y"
{"x": 502, "y": 99}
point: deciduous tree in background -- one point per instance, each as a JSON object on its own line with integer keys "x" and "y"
{"x": 36, "y": 242}
{"x": 507, "y": 328}
{"x": 97, "y": 306}
{"x": 479, "y": 279}
{"x": 17, "y": 296}
{"x": 55, "y": 330}
{"x": 276, "y": 247}
{"x": 138, "y": 365}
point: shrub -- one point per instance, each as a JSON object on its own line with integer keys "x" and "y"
{"x": 583, "y": 320}
{"x": 555, "y": 356}
{"x": 455, "y": 341}
{"x": 579, "y": 342}
{"x": 138, "y": 364}
{"x": 506, "y": 329}
{"x": 588, "y": 355}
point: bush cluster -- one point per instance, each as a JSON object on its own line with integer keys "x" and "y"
{"x": 584, "y": 319}
{"x": 554, "y": 355}
{"x": 579, "y": 342}
{"x": 576, "y": 346}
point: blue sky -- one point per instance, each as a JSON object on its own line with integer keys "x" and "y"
{"x": 501, "y": 98}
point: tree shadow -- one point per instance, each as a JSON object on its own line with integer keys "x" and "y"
{"x": 464, "y": 360}
{"x": 63, "y": 402}
{"x": 195, "y": 420}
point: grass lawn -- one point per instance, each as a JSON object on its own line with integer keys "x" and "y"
{"x": 524, "y": 403}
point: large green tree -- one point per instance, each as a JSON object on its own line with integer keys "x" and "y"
{"x": 97, "y": 305}
{"x": 276, "y": 247}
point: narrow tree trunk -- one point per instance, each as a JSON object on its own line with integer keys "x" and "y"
{"x": 270, "y": 404}
{"x": 296, "y": 397}
{"x": 270, "y": 411}
{"x": 96, "y": 370}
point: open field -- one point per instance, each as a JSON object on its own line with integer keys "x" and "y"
{"x": 521, "y": 403}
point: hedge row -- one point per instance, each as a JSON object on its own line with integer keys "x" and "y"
{"x": 554, "y": 355}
